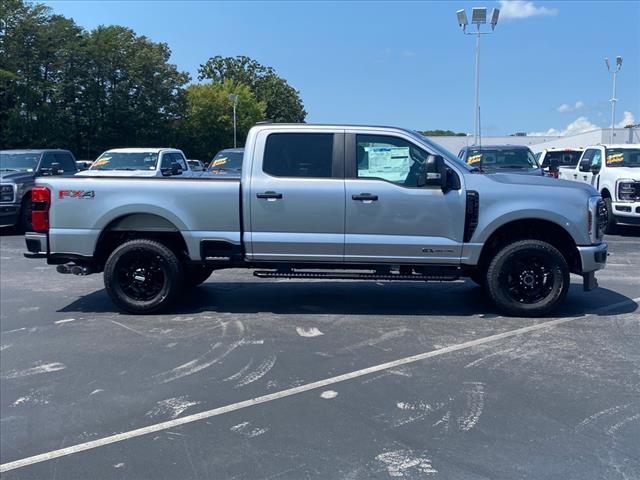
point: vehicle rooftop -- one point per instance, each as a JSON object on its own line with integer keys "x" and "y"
{"x": 233, "y": 150}
{"x": 141, "y": 150}
{"x": 616, "y": 145}
{"x": 496, "y": 147}
{"x": 34, "y": 150}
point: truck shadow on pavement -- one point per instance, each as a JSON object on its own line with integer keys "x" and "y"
{"x": 357, "y": 298}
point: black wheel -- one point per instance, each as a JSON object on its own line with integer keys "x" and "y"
{"x": 142, "y": 276}
{"x": 479, "y": 277}
{"x": 611, "y": 227}
{"x": 528, "y": 278}
{"x": 25, "y": 215}
{"x": 194, "y": 275}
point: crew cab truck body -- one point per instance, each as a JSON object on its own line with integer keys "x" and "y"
{"x": 139, "y": 162}
{"x": 325, "y": 201}
{"x": 614, "y": 171}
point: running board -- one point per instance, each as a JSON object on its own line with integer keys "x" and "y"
{"x": 353, "y": 276}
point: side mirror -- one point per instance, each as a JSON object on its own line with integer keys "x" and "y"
{"x": 176, "y": 169}
{"x": 595, "y": 169}
{"x": 55, "y": 169}
{"x": 554, "y": 165}
{"x": 434, "y": 172}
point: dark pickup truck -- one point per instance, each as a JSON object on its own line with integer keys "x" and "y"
{"x": 18, "y": 171}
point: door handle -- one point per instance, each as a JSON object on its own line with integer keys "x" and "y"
{"x": 585, "y": 177}
{"x": 269, "y": 195}
{"x": 575, "y": 175}
{"x": 365, "y": 197}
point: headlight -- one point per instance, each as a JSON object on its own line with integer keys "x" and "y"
{"x": 596, "y": 219}
{"x": 628, "y": 190}
{"x": 7, "y": 192}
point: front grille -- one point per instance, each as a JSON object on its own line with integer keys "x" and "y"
{"x": 601, "y": 218}
{"x": 6, "y": 194}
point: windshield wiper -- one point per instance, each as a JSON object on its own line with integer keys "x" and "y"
{"x": 513, "y": 166}
{"x": 9, "y": 170}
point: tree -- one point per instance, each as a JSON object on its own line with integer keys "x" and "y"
{"x": 283, "y": 102}
{"x": 441, "y": 133}
{"x": 207, "y": 124}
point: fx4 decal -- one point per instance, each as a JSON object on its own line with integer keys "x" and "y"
{"x": 76, "y": 194}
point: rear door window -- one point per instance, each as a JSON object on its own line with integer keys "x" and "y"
{"x": 299, "y": 155}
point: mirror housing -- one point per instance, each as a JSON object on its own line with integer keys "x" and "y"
{"x": 434, "y": 172}
{"x": 55, "y": 169}
{"x": 174, "y": 169}
{"x": 554, "y": 165}
{"x": 595, "y": 169}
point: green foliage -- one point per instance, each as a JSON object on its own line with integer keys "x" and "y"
{"x": 283, "y": 102}
{"x": 207, "y": 124}
{"x": 441, "y": 133}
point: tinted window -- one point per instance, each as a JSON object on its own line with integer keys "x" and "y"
{"x": 389, "y": 158}
{"x": 226, "y": 160}
{"x": 517, "y": 158}
{"x": 126, "y": 161}
{"x": 66, "y": 162}
{"x": 585, "y": 161}
{"x": 565, "y": 159}
{"x": 179, "y": 159}
{"x": 623, "y": 157}
{"x": 298, "y": 155}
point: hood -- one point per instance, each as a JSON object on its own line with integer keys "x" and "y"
{"x": 540, "y": 181}
{"x": 17, "y": 177}
{"x": 625, "y": 172}
{"x": 117, "y": 173}
{"x": 516, "y": 171}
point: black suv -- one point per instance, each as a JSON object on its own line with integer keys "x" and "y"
{"x": 18, "y": 171}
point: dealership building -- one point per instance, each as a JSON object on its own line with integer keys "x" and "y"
{"x": 539, "y": 143}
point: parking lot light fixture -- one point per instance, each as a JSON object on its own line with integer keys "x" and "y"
{"x": 478, "y": 17}
{"x": 234, "y": 99}
{"x": 613, "y": 97}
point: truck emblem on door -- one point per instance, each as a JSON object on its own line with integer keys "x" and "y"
{"x": 76, "y": 194}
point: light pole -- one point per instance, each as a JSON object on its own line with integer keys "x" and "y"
{"x": 234, "y": 98}
{"x": 478, "y": 17}
{"x": 613, "y": 98}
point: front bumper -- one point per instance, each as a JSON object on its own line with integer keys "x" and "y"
{"x": 9, "y": 214}
{"x": 37, "y": 244}
{"x": 626, "y": 213}
{"x": 593, "y": 257}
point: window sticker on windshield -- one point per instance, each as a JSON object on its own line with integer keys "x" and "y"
{"x": 474, "y": 159}
{"x": 390, "y": 163}
{"x": 101, "y": 161}
{"x": 219, "y": 161}
{"x": 615, "y": 158}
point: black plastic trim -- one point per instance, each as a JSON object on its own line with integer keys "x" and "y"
{"x": 471, "y": 214}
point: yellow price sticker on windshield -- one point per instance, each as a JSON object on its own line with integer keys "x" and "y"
{"x": 474, "y": 159}
{"x": 102, "y": 161}
{"x": 219, "y": 161}
{"x": 615, "y": 158}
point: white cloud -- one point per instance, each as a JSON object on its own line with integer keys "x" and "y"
{"x": 579, "y": 125}
{"x": 515, "y": 9}
{"x": 565, "y": 107}
{"x": 627, "y": 119}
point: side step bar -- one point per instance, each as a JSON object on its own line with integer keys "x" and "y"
{"x": 353, "y": 276}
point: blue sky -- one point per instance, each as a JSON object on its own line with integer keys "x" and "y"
{"x": 408, "y": 63}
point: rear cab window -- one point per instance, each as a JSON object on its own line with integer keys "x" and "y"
{"x": 565, "y": 158}
{"x": 308, "y": 155}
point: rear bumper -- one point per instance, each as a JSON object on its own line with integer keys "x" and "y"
{"x": 37, "y": 244}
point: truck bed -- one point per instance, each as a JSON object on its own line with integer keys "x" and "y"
{"x": 202, "y": 208}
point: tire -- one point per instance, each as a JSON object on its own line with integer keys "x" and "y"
{"x": 611, "y": 227}
{"x": 143, "y": 276}
{"x": 26, "y": 207}
{"x": 528, "y": 278}
{"x": 195, "y": 275}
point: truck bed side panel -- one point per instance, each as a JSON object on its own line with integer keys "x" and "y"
{"x": 199, "y": 208}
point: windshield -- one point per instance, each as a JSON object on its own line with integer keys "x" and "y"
{"x": 489, "y": 159}
{"x": 19, "y": 162}
{"x": 126, "y": 161}
{"x": 623, "y": 157}
{"x": 443, "y": 152}
{"x": 227, "y": 161}
{"x": 565, "y": 159}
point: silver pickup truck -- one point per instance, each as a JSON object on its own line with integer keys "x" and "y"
{"x": 326, "y": 201}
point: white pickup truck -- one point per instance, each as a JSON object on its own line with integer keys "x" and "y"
{"x": 617, "y": 178}
{"x": 139, "y": 162}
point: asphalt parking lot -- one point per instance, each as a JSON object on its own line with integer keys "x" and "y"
{"x": 256, "y": 379}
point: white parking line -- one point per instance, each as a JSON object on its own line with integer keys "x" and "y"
{"x": 101, "y": 442}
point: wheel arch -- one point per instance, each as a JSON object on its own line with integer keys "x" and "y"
{"x": 535, "y": 229}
